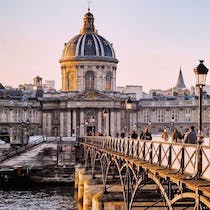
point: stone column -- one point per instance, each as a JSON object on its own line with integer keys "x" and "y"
{"x": 74, "y": 121}
{"x": 118, "y": 122}
{"x": 112, "y": 124}
{"x": 69, "y": 123}
{"x": 11, "y": 135}
{"x": 100, "y": 121}
{"x": 11, "y": 116}
{"x": 44, "y": 126}
{"x": 114, "y": 81}
{"x": 49, "y": 124}
{"x": 107, "y": 124}
{"x": 61, "y": 123}
{"x": 82, "y": 124}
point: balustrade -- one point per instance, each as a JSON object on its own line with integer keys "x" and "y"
{"x": 184, "y": 158}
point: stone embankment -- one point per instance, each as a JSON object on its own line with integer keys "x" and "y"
{"x": 52, "y": 162}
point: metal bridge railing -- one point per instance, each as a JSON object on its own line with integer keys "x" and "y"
{"x": 184, "y": 158}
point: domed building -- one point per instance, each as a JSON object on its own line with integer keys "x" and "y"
{"x": 88, "y": 102}
{"x": 88, "y": 60}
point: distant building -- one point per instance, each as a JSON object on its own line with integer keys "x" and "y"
{"x": 49, "y": 85}
{"x": 179, "y": 89}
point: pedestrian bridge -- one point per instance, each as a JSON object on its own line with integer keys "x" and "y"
{"x": 180, "y": 172}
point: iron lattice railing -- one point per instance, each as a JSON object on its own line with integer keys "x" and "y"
{"x": 185, "y": 158}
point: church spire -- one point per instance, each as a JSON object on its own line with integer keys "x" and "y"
{"x": 180, "y": 82}
{"x": 88, "y": 25}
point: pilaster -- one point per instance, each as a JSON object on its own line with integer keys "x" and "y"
{"x": 61, "y": 123}
{"x": 69, "y": 123}
{"x": 100, "y": 121}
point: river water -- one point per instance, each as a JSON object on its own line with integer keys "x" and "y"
{"x": 38, "y": 197}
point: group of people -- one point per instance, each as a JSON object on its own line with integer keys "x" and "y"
{"x": 145, "y": 135}
{"x": 189, "y": 136}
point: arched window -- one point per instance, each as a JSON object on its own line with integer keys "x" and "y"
{"x": 89, "y": 80}
{"x": 108, "y": 81}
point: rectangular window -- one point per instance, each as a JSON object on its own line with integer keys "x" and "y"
{"x": 146, "y": 116}
{"x": 188, "y": 115}
{"x": 160, "y": 115}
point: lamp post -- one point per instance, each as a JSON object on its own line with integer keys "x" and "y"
{"x": 200, "y": 77}
{"x": 105, "y": 114}
{"x": 92, "y": 121}
{"x": 172, "y": 123}
{"x": 150, "y": 125}
{"x": 25, "y": 136}
{"x": 128, "y": 106}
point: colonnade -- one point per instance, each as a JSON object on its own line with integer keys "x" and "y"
{"x": 78, "y": 121}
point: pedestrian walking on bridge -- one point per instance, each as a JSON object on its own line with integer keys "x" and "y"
{"x": 146, "y": 135}
{"x": 190, "y": 137}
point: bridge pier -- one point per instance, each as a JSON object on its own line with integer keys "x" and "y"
{"x": 89, "y": 192}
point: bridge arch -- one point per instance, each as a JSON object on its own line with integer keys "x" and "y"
{"x": 192, "y": 195}
{"x": 156, "y": 179}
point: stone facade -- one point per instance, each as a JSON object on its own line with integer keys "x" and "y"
{"x": 19, "y": 119}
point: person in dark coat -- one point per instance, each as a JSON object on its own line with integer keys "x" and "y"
{"x": 134, "y": 135}
{"x": 146, "y": 135}
{"x": 190, "y": 137}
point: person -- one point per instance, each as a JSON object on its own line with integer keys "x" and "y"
{"x": 191, "y": 136}
{"x": 164, "y": 135}
{"x": 185, "y": 133}
{"x": 122, "y": 135}
{"x": 176, "y": 136}
{"x": 146, "y": 135}
{"x": 134, "y": 135}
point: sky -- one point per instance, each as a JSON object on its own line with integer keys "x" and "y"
{"x": 152, "y": 39}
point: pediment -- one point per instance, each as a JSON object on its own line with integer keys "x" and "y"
{"x": 92, "y": 95}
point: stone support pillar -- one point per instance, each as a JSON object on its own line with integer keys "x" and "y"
{"x": 96, "y": 201}
{"x": 87, "y": 199}
{"x": 80, "y": 184}
{"x": 100, "y": 121}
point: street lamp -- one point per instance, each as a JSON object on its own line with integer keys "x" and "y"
{"x": 128, "y": 106}
{"x": 150, "y": 125}
{"x": 172, "y": 123}
{"x": 25, "y": 136}
{"x": 92, "y": 121}
{"x": 200, "y": 77}
{"x": 105, "y": 114}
